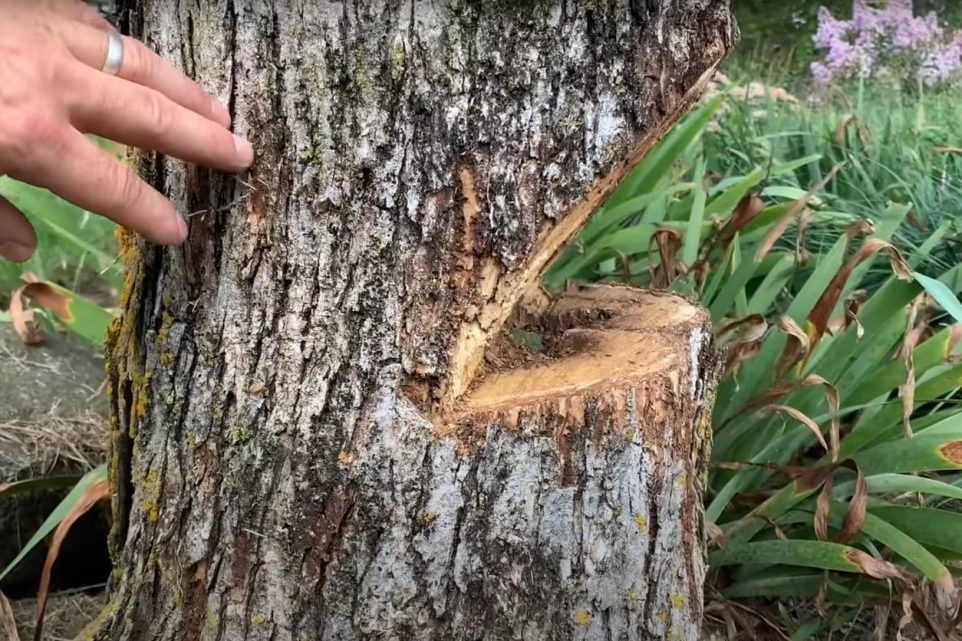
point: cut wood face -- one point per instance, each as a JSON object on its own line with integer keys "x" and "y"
{"x": 601, "y": 345}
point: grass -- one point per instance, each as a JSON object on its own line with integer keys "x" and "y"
{"x": 840, "y": 392}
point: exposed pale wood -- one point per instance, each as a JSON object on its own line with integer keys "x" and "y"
{"x": 604, "y": 341}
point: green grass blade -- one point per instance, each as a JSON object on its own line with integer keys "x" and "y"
{"x": 886, "y": 423}
{"x": 95, "y": 475}
{"x": 725, "y": 303}
{"x": 883, "y": 380}
{"x": 609, "y": 218}
{"x": 764, "y": 296}
{"x": 725, "y": 202}
{"x": 656, "y": 165}
{"x": 927, "y": 248}
{"x": 901, "y": 543}
{"x": 34, "y": 485}
{"x": 942, "y": 295}
{"x": 929, "y": 526}
{"x": 900, "y": 484}
{"x": 810, "y": 554}
{"x": 923, "y": 453}
{"x": 786, "y": 586}
{"x": 692, "y": 241}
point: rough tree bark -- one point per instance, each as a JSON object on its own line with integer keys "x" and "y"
{"x": 320, "y": 430}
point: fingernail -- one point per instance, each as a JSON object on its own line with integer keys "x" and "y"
{"x": 182, "y": 225}
{"x": 245, "y": 153}
{"x": 15, "y": 251}
{"x": 220, "y": 113}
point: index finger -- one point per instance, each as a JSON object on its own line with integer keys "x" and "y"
{"x": 144, "y": 67}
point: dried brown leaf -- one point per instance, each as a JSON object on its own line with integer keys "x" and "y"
{"x": 715, "y": 535}
{"x": 956, "y": 621}
{"x": 955, "y": 335}
{"x": 842, "y": 129}
{"x": 626, "y": 270}
{"x": 742, "y": 330}
{"x": 701, "y": 270}
{"x": 796, "y": 345}
{"x": 878, "y": 569}
{"x": 741, "y": 339}
{"x": 821, "y": 599}
{"x": 913, "y": 334}
{"x": 25, "y": 321}
{"x": 46, "y": 296}
{"x": 801, "y": 250}
{"x": 855, "y": 516}
{"x": 881, "y": 612}
{"x": 831, "y": 395}
{"x": 861, "y": 227}
{"x": 813, "y": 478}
{"x": 946, "y": 594}
{"x": 912, "y": 219}
{"x": 906, "y": 617}
{"x": 849, "y": 121}
{"x": 718, "y": 609}
{"x": 822, "y": 310}
{"x": 802, "y": 418}
{"x": 668, "y": 242}
{"x": 745, "y": 211}
{"x": 850, "y": 309}
{"x": 738, "y": 354}
{"x": 779, "y": 228}
{"x": 95, "y": 493}
{"x": 935, "y": 630}
{"x": 823, "y": 506}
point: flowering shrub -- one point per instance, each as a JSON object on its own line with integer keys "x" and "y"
{"x": 891, "y": 44}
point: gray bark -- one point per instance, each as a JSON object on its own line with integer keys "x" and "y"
{"x": 310, "y": 441}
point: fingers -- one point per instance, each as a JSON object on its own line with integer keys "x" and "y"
{"x": 82, "y": 12}
{"x": 144, "y": 67}
{"x": 17, "y": 238}
{"x": 141, "y": 117}
{"x": 76, "y": 170}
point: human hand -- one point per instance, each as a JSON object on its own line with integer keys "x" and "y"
{"x": 53, "y": 90}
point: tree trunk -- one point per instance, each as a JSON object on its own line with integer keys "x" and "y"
{"x": 321, "y": 428}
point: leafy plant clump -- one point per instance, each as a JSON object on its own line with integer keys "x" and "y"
{"x": 837, "y": 427}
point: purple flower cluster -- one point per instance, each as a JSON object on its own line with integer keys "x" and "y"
{"x": 888, "y": 43}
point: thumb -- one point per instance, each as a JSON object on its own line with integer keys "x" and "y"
{"x": 17, "y": 238}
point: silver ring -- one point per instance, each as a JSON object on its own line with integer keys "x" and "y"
{"x": 115, "y": 53}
